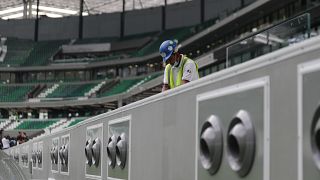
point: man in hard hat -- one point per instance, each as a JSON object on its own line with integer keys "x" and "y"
{"x": 179, "y": 68}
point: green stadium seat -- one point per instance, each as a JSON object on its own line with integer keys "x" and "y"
{"x": 17, "y": 52}
{"x": 35, "y": 124}
{"x": 14, "y": 93}
{"x": 76, "y": 121}
{"x": 71, "y": 90}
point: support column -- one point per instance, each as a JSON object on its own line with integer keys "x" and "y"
{"x": 122, "y": 23}
{"x": 80, "y": 29}
{"x": 36, "y": 29}
{"x": 120, "y": 102}
{"x": 202, "y": 11}
{"x": 164, "y": 8}
{"x": 25, "y": 9}
{"x": 29, "y": 9}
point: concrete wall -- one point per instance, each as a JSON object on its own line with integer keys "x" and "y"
{"x": 220, "y": 9}
{"x": 183, "y": 14}
{"x": 104, "y": 25}
{"x": 23, "y": 29}
{"x": 60, "y": 28}
{"x": 108, "y": 25}
{"x": 164, "y": 129}
{"x": 141, "y": 21}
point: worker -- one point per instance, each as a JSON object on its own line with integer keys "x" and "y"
{"x": 179, "y": 68}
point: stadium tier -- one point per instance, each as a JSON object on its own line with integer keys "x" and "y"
{"x": 29, "y": 53}
{"x": 71, "y": 90}
{"x": 33, "y": 124}
{"x": 18, "y": 51}
{"x": 42, "y": 52}
{"x": 14, "y": 93}
{"x": 75, "y": 121}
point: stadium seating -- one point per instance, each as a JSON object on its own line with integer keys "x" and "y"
{"x": 3, "y": 123}
{"x": 121, "y": 87}
{"x": 71, "y": 90}
{"x": 18, "y": 51}
{"x": 14, "y": 93}
{"x": 126, "y": 84}
{"x": 41, "y": 52}
{"x": 35, "y": 124}
{"x": 75, "y": 121}
{"x": 29, "y": 53}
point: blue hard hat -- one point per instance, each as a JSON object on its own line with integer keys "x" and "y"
{"x": 167, "y": 48}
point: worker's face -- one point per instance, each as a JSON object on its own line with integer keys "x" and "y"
{"x": 172, "y": 59}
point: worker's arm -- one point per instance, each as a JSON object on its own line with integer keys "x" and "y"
{"x": 185, "y": 81}
{"x": 165, "y": 87}
{"x": 189, "y": 72}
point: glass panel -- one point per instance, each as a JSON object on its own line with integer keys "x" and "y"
{"x": 269, "y": 40}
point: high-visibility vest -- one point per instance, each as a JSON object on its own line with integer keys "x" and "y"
{"x": 169, "y": 74}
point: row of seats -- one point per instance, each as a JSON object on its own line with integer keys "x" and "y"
{"x": 29, "y": 53}
{"x": 75, "y": 121}
{"x": 41, "y": 124}
{"x": 17, "y": 51}
{"x": 48, "y": 125}
{"x": 14, "y": 93}
{"x": 121, "y": 87}
{"x": 42, "y": 52}
{"x": 71, "y": 90}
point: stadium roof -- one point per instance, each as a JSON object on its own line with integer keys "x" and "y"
{"x": 13, "y": 9}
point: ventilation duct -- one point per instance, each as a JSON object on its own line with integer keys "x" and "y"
{"x": 241, "y": 143}
{"x": 211, "y": 144}
{"x": 121, "y": 151}
{"x": 111, "y": 150}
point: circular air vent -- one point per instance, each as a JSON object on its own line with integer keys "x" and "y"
{"x": 96, "y": 151}
{"x": 39, "y": 156}
{"x": 211, "y": 144}
{"x": 111, "y": 150}
{"x": 34, "y": 157}
{"x": 88, "y": 152}
{"x": 241, "y": 143}
{"x": 60, "y": 155}
{"x": 121, "y": 151}
{"x": 65, "y": 154}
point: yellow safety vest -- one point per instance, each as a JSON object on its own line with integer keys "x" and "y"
{"x": 169, "y": 74}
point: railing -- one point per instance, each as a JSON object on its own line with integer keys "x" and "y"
{"x": 268, "y": 40}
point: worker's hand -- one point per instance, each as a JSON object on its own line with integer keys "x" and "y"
{"x": 165, "y": 87}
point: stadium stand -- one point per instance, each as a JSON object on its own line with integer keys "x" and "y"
{"x": 4, "y": 123}
{"x": 125, "y": 85}
{"x": 75, "y": 121}
{"x": 42, "y": 52}
{"x": 14, "y": 93}
{"x": 35, "y": 124}
{"x": 17, "y": 51}
{"x": 71, "y": 90}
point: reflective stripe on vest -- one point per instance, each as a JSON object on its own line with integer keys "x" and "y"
{"x": 171, "y": 83}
